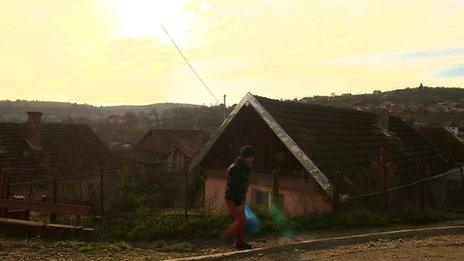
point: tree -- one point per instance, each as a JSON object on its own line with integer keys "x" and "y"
{"x": 153, "y": 115}
{"x": 131, "y": 119}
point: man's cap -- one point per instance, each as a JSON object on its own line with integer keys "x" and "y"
{"x": 247, "y": 151}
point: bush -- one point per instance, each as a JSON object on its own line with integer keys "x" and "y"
{"x": 174, "y": 224}
{"x": 413, "y": 216}
{"x": 409, "y": 216}
{"x": 337, "y": 220}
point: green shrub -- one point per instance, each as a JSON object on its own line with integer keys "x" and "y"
{"x": 148, "y": 225}
{"x": 414, "y": 216}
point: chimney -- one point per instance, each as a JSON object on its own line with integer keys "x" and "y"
{"x": 34, "y": 127}
{"x": 382, "y": 120}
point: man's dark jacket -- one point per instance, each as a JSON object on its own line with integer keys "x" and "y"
{"x": 237, "y": 182}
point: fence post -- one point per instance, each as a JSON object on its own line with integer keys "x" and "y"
{"x": 383, "y": 180}
{"x": 54, "y": 199}
{"x": 280, "y": 158}
{"x": 186, "y": 196}
{"x": 2, "y": 190}
{"x": 101, "y": 195}
{"x": 462, "y": 175}
{"x": 81, "y": 193}
{"x": 275, "y": 189}
{"x": 432, "y": 193}
{"x": 31, "y": 191}
{"x": 461, "y": 194}
{"x": 336, "y": 184}
{"x": 420, "y": 170}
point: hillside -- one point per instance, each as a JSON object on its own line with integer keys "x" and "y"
{"x": 59, "y": 111}
{"x": 419, "y": 95}
{"x": 436, "y": 105}
{"x": 422, "y": 104}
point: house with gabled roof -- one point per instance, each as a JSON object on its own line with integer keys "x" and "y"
{"x": 170, "y": 149}
{"x": 42, "y": 152}
{"x": 72, "y": 149}
{"x": 313, "y": 148}
{"x": 160, "y": 160}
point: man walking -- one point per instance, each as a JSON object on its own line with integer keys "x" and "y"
{"x": 237, "y": 186}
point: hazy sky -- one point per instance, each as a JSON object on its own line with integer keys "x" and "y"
{"x": 114, "y": 51}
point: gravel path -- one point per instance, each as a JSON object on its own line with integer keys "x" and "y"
{"x": 434, "y": 248}
{"x": 437, "y": 247}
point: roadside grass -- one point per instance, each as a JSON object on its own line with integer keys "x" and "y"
{"x": 350, "y": 219}
{"x": 128, "y": 220}
{"x": 176, "y": 232}
{"x": 179, "y": 247}
{"x": 150, "y": 226}
{"x": 90, "y": 247}
{"x": 203, "y": 224}
{"x": 42, "y": 245}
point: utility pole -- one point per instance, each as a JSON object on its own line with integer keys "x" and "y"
{"x": 336, "y": 187}
{"x": 225, "y": 107}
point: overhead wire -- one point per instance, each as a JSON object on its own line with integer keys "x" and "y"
{"x": 188, "y": 62}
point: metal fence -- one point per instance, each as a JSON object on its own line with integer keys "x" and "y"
{"x": 90, "y": 189}
{"x": 295, "y": 192}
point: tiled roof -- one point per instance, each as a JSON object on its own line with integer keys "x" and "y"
{"x": 147, "y": 156}
{"x": 449, "y": 144}
{"x": 14, "y": 148}
{"x": 163, "y": 141}
{"x": 319, "y": 131}
{"x": 68, "y": 149}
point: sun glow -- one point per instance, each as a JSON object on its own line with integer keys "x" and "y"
{"x": 142, "y": 18}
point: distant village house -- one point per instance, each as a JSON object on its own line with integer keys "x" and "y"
{"x": 168, "y": 150}
{"x": 160, "y": 160}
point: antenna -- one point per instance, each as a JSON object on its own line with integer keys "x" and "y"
{"x": 188, "y": 63}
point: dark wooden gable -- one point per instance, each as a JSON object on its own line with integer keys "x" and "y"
{"x": 248, "y": 128}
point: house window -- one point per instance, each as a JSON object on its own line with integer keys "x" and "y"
{"x": 264, "y": 198}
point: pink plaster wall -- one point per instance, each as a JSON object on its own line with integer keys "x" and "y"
{"x": 300, "y": 196}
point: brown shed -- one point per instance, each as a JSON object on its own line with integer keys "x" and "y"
{"x": 171, "y": 150}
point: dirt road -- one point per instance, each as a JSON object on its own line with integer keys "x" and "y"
{"x": 449, "y": 247}
{"x": 433, "y": 248}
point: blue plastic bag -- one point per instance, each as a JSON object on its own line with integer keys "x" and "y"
{"x": 252, "y": 222}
